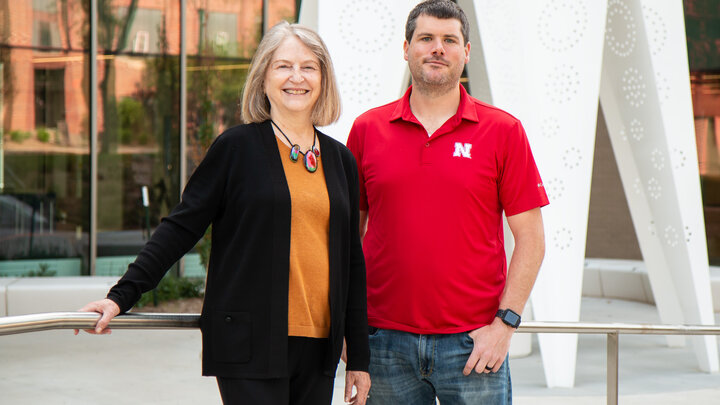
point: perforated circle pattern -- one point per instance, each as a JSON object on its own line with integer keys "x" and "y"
{"x": 550, "y": 127}
{"x": 563, "y": 84}
{"x": 637, "y": 130}
{"x": 356, "y": 34}
{"x": 633, "y": 87}
{"x": 562, "y": 37}
{"x": 680, "y": 158}
{"x": 654, "y": 188}
{"x": 621, "y": 29}
{"x": 657, "y": 158}
{"x": 671, "y": 236}
{"x": 572, "y": 158}
{"x": 555, "y": 188}
{"x": 656, "y": 27}
{"x": 562, "y": 238}
{"x": 361, "y": 84}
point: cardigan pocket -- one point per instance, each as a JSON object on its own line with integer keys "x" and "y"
{"x": 231, "y": 336}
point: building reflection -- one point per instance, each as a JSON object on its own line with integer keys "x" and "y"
{"x": 45, "y": 110}
{"x": 702, "y": 22}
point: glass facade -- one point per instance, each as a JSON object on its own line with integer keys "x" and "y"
{"x": 702, "y": 22}
{"x": 46, "y": 116}
{"x": 46, "y": 110}
{"x": 138, "y": 125}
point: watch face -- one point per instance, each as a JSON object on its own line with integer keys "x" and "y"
{"x": 511, "y": 318}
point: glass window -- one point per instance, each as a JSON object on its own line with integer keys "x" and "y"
{"x": 44, "y": 154}
{"x": 282, "y": 10}
{"x": 49, "y": 96}
{"x": 45, "y": 114}
{"x": 702, "y": 22}
{"x": 221, "y": 31}
{"x": 145, "y": 28}
{"x": 46, "y": 33}
{"x": 224, "y": 28}
{"x": 222, "y": 38}
{"x": 138, "y": 128}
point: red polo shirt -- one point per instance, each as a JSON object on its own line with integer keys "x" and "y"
{"x": 434, "y": 244}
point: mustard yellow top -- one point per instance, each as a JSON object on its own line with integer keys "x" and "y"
{"x": 309, "y": 287}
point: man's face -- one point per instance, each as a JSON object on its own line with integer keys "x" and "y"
{"x": 436, "y": 54}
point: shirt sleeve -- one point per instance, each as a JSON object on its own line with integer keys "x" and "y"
{"x": 520, "y": 188}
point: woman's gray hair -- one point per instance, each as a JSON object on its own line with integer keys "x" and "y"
{"x": 255, "y": 104}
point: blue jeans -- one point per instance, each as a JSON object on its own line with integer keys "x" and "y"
{"x": 407, "y": 368}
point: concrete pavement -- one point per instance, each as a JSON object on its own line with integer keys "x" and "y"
{"x": 163, "y": 367}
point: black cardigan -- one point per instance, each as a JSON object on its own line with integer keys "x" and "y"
{"x": 240, "y": 188}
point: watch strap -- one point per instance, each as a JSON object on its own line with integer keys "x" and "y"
{"x": 509, "y": 317}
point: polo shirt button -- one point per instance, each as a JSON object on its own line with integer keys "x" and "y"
{"x": 228, "y": 319}
{"x": 427, "y": 145}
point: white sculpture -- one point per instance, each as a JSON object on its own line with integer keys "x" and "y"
{"x": 543, "y": 60}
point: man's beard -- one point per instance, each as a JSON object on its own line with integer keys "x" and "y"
{"x": 433, "y": 86}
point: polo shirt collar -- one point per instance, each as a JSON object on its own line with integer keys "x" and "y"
{"x": 466, "y": 109}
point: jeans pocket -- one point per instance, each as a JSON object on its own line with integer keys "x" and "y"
{"x": 372, "y": 331}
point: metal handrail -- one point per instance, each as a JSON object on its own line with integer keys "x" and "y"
{"x": 11, "y": 325}
{"x": 86, "y": 320}
{"x": 619, "y": 328}
{"x": 613, "y": 332}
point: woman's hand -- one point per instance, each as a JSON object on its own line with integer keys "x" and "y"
{"x": 108, "y": 309}
{"x": 361, "y": 381}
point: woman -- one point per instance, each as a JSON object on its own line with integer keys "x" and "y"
{"x": 286, "y": 279}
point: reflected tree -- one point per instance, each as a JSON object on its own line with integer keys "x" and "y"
{"x": 113, "y": 33}
{"x": 6, "y": 72}
{"x": 161, "y": 101}
{"x": 214, "y": 86}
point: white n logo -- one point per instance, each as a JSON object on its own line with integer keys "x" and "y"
{"x": 462, "y": 149}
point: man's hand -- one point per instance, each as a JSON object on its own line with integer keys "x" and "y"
{"x": 361, "y": 381}
{"x": 492, "y": 343}
{"x": 107, "y": 309}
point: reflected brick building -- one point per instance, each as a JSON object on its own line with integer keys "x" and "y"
{"x": 45, "y": 44}
{"x": 45, "y": 114}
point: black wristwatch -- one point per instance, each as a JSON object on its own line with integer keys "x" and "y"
{"x": 510, "y": 317}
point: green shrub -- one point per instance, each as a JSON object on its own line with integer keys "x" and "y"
{"x": 43, "y": 135}
{"x": 203, "y": 248}
{"x": 173, "y": 288}
{"x": 132, "y": 121}
{"x": 43, "y": 271}
{"x": 19, "y": 136}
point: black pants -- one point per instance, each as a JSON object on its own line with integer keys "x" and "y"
{"x": 306, "y": 385}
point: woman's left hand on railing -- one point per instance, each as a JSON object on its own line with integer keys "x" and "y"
{"x": 108, "y": 310}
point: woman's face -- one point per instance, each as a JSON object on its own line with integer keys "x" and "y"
{"x": 293, "y": 79}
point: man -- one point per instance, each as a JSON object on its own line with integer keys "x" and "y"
{"x": 437, "y": 169}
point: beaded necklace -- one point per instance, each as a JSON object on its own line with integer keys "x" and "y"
{"x": 310, "y": 157}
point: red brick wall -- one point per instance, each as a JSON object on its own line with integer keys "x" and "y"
{"x": 129, "y": 75}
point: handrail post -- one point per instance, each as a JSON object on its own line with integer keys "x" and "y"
{"x": 612, "y": 368}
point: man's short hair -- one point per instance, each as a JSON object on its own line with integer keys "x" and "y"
{"x": 255, "y": 105}
{"x": 443, "y": 9}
